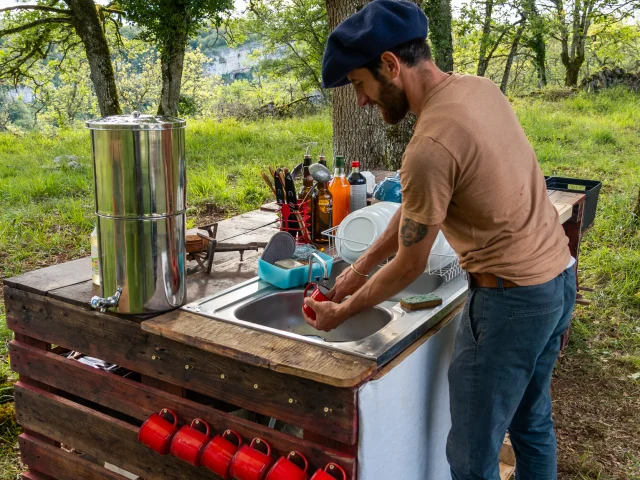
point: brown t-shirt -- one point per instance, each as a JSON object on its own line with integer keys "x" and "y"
{"x": 470, "y": 167}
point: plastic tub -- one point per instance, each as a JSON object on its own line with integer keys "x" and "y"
{"x": 294, "y": 277}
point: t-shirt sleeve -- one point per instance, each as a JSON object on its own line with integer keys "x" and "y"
{"x": 428, "y": 176}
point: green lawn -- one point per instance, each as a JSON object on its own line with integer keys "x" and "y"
{"x": 46, "y": 217}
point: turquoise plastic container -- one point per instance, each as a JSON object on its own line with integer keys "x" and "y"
{"x": 294, "y": 277}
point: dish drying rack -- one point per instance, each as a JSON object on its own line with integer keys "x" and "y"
{"x": 448, "y": 269}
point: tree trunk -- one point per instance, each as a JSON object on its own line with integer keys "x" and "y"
{"x": 439, "y": 14}
{"x": 360, "y": 133}
{"x": 172, "y": 59}
{"x": 571, "y": 75}
{"x": 540, "y": 58}
{"x": 510, "y": 57}
{"x": 88, "y": 27}
{"x": 537, "y": 41}
{"x": 485, "y": 41}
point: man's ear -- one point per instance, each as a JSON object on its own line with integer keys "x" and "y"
{"x": 390, "y": 65}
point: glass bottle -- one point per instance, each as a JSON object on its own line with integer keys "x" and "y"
{"x": 307, "y": 180}
{"x": 95, "y": 258}
{"x": 322, "y": 160}
{"x": 341, "y": 192}
{"x": 358, "y": 193}
{"x": 321, "y": 213}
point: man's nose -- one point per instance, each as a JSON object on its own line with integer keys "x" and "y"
{"x": 363, "y": 100}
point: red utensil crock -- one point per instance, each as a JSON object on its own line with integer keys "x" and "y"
{"x": 317, "y": 295}
{"x": 157, "y": 432}
{"x": 251, "y": 462}
{"x": 219, "y": 452}
{"x": 189, "y": 442}
{"x": 332, "y": 471}
{"x": 293, "y": 467}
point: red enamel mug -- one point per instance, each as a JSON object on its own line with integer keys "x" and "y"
{"x": 219, "y": 452}
{"x": 293, "y": 467}
{"x": 252, "y": 462}
{"x": 332, "y": 471}
{"x": 157, "y": 432}
{"x": 318, "y": 295}
{"x": 189, "y": 442}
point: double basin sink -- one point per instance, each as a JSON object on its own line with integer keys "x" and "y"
{"x": 378, "y": 334}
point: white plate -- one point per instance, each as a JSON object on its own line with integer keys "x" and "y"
{"x": 360, "y": 229}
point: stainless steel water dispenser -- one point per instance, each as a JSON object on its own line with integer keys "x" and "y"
{"x": 140, "y": 181}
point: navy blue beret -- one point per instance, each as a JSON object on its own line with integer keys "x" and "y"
{"x": 380, "y": 26}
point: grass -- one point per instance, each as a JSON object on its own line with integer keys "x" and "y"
{"x": 46, "y": 217}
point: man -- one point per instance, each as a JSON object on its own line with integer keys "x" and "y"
{"x": 470, "y": 171}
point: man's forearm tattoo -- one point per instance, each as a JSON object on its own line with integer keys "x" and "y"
{"x": 412, "y": 232}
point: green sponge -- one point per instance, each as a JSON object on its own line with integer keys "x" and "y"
{"x": 417, "y": 302}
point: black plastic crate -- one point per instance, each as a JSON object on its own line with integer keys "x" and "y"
{"x": 591, "y": 188}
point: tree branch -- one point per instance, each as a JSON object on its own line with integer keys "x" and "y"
{"x": 112, "y": 10}
{"x": 35, "y": 7}
{"x": 37, "y": 23}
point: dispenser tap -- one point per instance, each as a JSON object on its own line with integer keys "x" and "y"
{"x": 102, "y": 303}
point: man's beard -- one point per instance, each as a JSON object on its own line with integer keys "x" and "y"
{"x": 393, "y": 102}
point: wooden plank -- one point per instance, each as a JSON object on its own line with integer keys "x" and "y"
{"x": 252, "y": 346}
{"x": 294, "y": 400}
{"x": 139, "y": 401}
{"x": 564, "y": 212}
{"x": 98, "y": 435}
{"x": 56, "y": 276}
{"x": 33, "y": 475}
{"x": 64, "y": 465}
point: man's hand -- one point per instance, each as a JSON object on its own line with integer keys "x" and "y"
{"x": 329, "y": 315}
{"x": 347, "y": 283}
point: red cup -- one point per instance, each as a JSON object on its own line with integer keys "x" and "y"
{"x": 189, "y": 442}
{"x": 332, "y": 471}
{"x": 286, "y": 469}
{"x": 251, "y": 462}
{"x": 318, "y": 295}
{"x": 157, "y": 432}
{"x": 219, "y": 452}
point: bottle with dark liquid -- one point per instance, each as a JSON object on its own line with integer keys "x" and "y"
{"x": 307, "y": 180}
{"x": 321, "y": 213}
{"x": 322, "y": 160}
{"x": 358, "y": 194}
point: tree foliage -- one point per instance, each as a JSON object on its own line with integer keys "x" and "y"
{"x": 293, "y": 33}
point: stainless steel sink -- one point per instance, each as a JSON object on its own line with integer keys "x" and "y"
{"x": 379, "y": 333}
{"x": 282, "y": 311}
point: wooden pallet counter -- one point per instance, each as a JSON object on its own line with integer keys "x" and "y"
{"x": 212, "y": 370}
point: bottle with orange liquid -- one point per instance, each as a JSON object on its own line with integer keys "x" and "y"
{"x": 340, "y": 191}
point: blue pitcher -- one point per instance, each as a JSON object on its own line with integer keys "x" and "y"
{"x": 389, "y": 190}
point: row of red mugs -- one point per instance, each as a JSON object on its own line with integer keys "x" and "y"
{"x": 225, "y": 454}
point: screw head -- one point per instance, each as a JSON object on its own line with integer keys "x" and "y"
{"x": 222, "y": 376}
{"x": 153, "y": 357}
{"x": 186, "y": 367}
{"x": 255, "y": 385}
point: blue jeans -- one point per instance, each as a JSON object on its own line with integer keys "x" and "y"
{"x": 506, "y": 346}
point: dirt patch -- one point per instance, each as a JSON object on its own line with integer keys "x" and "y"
{"x": 597, "y": 414}
{"x": 209, "y": 213}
